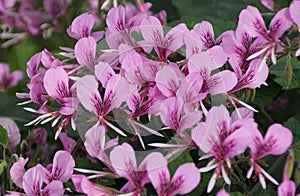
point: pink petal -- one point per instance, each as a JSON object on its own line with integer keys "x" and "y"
{"x": 192, "y": 43}
{"x": 206, "y": 33}
{"x": 115, "y": 19}
{"x": 167, "y": 81}
{"x": 81, "y": 26}
{"x": 170, "y": 112}
{"x": 152, "y": 31}
{"x": 85, "y": 51}
{"x": 174, "y": 37}
{"x": 87, "y": 93}
{"x": 103, "y": 72}
{"x": 221, "y": 82}
{"x": 237, "y": 142}
{"x": 202, "y": 63}
{"x": 268, "y": 4}
{"x": 217, "y": 54}
{"x": 287, "y": 188}
{"x": 189, "y": 120}
{"x": 222, "y": 192}
{"x": 62, "y": 168}
{"x": 54, "y": 188}
{"x": 117, "y": 91}
{"x": 67, "y": 142}
{"x": 15, "y": 77}
{"x": 13, "y": 132}
{"x": 123, "y": 160}
{"x": 83, "y": 185}
{"x": 280, "y": 137}
{"x": 95, "y": 140}
{"x": 56, "y": 83}
{"x": 33, "y": 179}
{"x": 251, "y": 19}
{"x": 294, "y": 13}
{"x": 280, "y": 23}
{"x": 186, "y": 177}
{"x": 17, "y": 171}
{"x": 158, "y": 171}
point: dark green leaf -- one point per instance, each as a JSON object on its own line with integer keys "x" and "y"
{"x": 3, "y": 137}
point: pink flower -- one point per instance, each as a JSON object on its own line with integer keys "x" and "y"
{"x": 251, "y": 19}
{"x": 222, "y": 138}
{"x": 201, "y": 38}
{"x": 203, "y": 65}
{"x": 164, "y": 45}
{"x": 277, "y": 140}
{"x": 13, "y": 131}
{"x": 115, "y": 93}
{"x": 17, "y": 171}
{"x": 33, "y": 183}
{"x": 62, "y": 167}
{"x": 82, "y": 27}
{"x": 123, "y": 161}
{"x": 184, "y": 180}
{"x": 8, "y": 80}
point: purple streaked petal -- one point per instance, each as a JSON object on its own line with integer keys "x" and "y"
{"x": 158, "y": 171}
{"x": 85, "y": 52}
{"x": 185, "y": 179}
{"x": 88, "y": 94}
{"x": 56, "y": 83}
{"x": 17, "y": 171}
{"x": 280, "y": 23}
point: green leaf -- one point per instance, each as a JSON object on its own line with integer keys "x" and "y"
{"x": 185, "y": 157}
{"x": 279, "y": 70}
{"x": 3, "y": 137}
{"x": 294, "y": 125}
{"x": 227, "y": 10}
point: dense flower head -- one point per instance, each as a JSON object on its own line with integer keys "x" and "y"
{"x": 139, "y": 95}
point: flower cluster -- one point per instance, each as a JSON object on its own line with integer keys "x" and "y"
{"x": 137, "y": 71}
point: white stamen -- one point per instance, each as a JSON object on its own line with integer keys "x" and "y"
{"x": 38, "y": 119}
{"x": 115, "y": 128}
{"x": 58, "y": 131}
{"x": 31, "y": 110}
{"x": 244, "y": 104}
{"x": 269, "y": 176}
{"x": 212, "y": 182}
{"x": 205, "y": 157}
{"x": 148, "y": 129}
{"x": 250, "y": 171}
{"x": 225, "y": 175}
{"x": 25, "y": 102}
{"x": 208, "y": 168}
{"x": 228, "y": 162}
{"x": 166, "y": 145}
{"x": 262, "y": 181}
{"x": 257, "y": 54}
{"x": 205, "y": 112}
{"x": 55, "y": 121}
{"x": 141, "y": 140}
{"x": 273, "y": 57}
{"x": 47, "y": 120}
